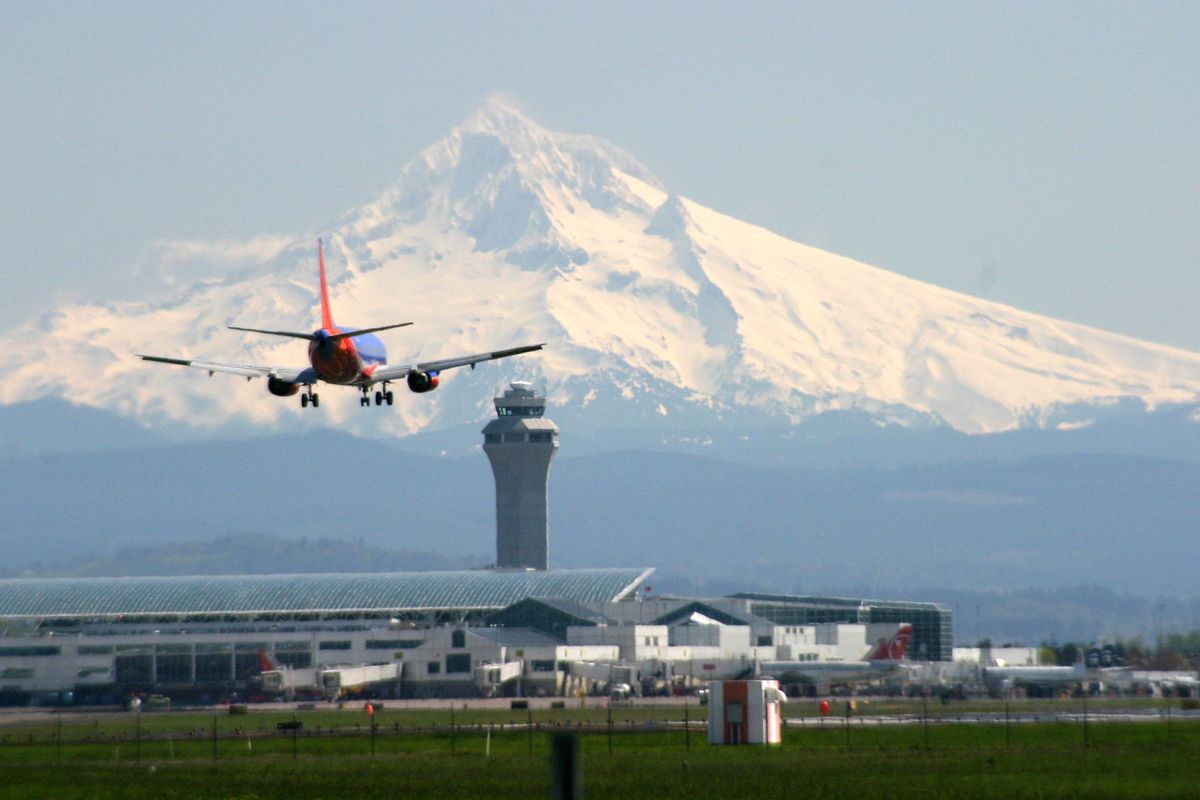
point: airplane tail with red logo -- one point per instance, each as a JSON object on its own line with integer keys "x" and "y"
{"x": 892, "y": 649}
{"x": 326, "y": 313}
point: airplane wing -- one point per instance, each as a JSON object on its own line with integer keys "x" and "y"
{"x": 306, "y": 375}
{"x": 390, "y": 373}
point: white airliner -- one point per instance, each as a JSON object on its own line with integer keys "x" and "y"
{"x": 1038, "y": 679}
{"x": 883, "y": 659}
{"x": 342, "y": 356}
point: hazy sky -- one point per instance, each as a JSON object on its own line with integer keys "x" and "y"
{"x": 1043, "y": 155}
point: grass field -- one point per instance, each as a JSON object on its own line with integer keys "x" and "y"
{"x": 493, "y": 754}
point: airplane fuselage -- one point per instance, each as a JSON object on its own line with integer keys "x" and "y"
{"x": 833, "y": 670}
{"x": 1044, "y": 676}
{"x": 345, "y": 361}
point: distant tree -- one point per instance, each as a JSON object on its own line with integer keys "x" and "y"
{"x": 1186, "y": 645}
{"x": 1132, "y": 652}
{"x": 1067, "y": 653}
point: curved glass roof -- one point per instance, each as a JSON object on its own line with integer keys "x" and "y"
{"x": 288, "y": 594}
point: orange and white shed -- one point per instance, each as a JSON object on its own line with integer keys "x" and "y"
{"x": 745, "y": 712}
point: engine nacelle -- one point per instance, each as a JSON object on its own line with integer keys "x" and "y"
{"x": 281, "y": 388}
{"x": 422, "y": 381}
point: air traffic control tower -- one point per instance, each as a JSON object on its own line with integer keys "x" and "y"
{"x": 520, "y": 443}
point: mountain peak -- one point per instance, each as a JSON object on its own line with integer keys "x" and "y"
{"x": 513, "y": 186}
{"x": 497, "y": 117}
{"x": 504, "y": 133}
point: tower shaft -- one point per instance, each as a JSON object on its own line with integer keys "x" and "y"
{"x": 520, "y": 443}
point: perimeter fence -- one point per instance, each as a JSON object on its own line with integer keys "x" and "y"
{"x": 194, "y": 735}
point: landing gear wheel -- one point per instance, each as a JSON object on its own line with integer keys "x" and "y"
{"x": 389, "y": 397}
{"x": 316, "y": 401}
{"x": 379, "y": 398}
{"x": 304, "y": 400}
{"x": 364, "y": 401}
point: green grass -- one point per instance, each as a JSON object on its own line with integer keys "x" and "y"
{"x": 101, "y": 756}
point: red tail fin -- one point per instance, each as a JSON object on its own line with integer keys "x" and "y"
{"x": 326, "y": 314}
{"x": 892, "y": 649}
{"x": 265, "y": 662}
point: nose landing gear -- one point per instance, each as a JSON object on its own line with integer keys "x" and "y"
{"x": 310, "y": 397}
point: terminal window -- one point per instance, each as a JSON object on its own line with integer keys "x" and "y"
{"x": 35, "y": 650}
{"x": 95, "y": 649}
{"x": 246, "y": 666}
{"x": 214, "y": 667}
{"x": 173, "y": 668}
{"x": 134, "y": 668}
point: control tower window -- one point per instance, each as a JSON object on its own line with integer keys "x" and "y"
{"x": 521, "y": 411}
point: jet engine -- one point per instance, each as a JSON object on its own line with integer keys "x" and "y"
{"x": 422, "y": 381}
{"x": 281, "y": 388}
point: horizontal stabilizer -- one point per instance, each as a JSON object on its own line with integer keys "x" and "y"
{"x": 312, "y": 337}
{"x": 350, "y": 334}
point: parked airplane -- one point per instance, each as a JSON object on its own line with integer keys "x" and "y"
{"x": 343, "y": 356}
{"x": 884, "y": 659}
{"x": 1045, "y": 680}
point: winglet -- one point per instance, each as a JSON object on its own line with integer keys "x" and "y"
{"x": 326, "y": 314}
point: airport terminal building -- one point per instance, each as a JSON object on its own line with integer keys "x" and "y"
{"x": 447, "y": 634}
{"x": 517, "y": 629}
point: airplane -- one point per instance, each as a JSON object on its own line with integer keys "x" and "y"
{"x": 1170, "y": 683}
{"x": 1036, "y": 680}
{"x": 342, "y": 356}
{"x": 883, "y": 659}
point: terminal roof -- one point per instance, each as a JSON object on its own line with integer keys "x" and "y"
{"x": 252, "y": 595}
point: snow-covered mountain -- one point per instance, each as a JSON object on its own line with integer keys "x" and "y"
{"x": 655, "y": 310}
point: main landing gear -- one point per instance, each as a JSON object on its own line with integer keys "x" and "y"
{"x": 381, "y": 397}
{"x": 310, "y": 397}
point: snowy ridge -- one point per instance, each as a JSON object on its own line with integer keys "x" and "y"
{"x": 653, "y": 307}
